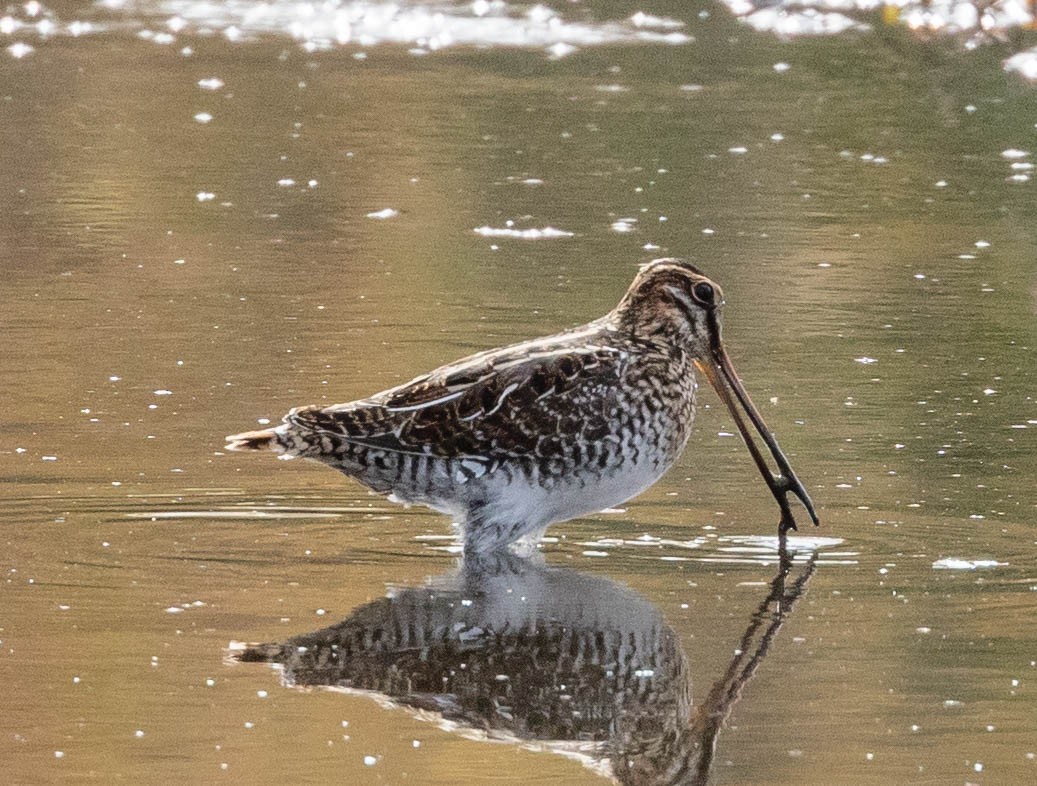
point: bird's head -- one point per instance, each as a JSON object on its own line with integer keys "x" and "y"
{"x": 672, "y": 303}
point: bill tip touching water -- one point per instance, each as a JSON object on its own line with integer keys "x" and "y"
{"x": 514, "y": 439}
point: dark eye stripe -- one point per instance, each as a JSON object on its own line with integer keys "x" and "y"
{"x": 684, "y": 304}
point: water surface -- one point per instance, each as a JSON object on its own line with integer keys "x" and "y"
{"x": 200, "y": 229}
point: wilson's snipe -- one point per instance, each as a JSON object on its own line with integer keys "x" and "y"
{"x": 514, "y": 439}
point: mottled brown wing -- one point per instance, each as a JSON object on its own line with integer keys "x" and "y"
{"x": 500, "y": 404}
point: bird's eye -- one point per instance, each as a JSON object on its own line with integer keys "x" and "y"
{"x": 703, "y": 293}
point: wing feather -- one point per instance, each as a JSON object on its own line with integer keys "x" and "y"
{"x": 495, "y": 404}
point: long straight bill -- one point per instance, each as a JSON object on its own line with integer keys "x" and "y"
{"x": 721, "y": 374}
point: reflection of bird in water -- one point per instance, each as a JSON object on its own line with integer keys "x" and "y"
{"x": 514, "y": 439}
{"x": 515, "y": 648}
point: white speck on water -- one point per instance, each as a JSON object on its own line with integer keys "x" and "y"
{"x": 174, "y": 610}
{"x": 941, "y": 184}
{"x": 623, "y": 225}
{"x": 48, "y": 458}
{"x": 20, "y": 49}
{"x": 869, "y": 756}
{"x": 262, "y": 694}
{"x": 285, "y": 182}
{"x": 708, "y": 231}
{"x": 978, "y": 766}
{"x": 982, "y": 244}
{"x": 212, "y": 83}
{"x": 263, "y": 421}
{"x": 738, "y": 150}
{"x": 989, "y": 391}
{"x": 321, "y": 612}
{"x": 1013, "y": 154}
{"x": 163, "y": 392}
{"x": 249, "y": 725}
{"x": 923, "y": 629}
{"x": 644, "y": 672}
{"x": 781, "y": 68}
{"x": 210, "y": 682}
{"x": 370, "y": 761}
{"x": 384, "y": 213}
{"x": 205, "y": 196}
{"x": 970, "y": 108}
{"x": 138, "y": 733}
{"x": 560, "y": 49}
{"x": 920, "y": 276}
{"x": 312, "y": 183}
{"x": 593, "y": 553}
{"x": 59, "y": 754}
{"x": 466, "y": 602}
{"x": 415, "y": 743}
{"x": 990, "y": 727}
{"x": 865, "y": 361}
{"x": 203, "y": 117}
{"x": 915, "y": 727}
{"x": 777, "y": 137}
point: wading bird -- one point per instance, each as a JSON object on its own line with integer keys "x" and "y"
{"x": 512, "y": 440}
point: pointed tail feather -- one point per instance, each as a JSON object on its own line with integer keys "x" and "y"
{"x": 266, "y": 439}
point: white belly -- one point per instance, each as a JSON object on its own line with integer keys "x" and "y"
{"x": 538, "y": 504}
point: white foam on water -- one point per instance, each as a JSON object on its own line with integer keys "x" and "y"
{"x": 532, "y": 233}
{"x": 955, "y": 563}
{"x": 425, "y": 27}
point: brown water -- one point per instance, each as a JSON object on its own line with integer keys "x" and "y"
{"x": 878, "y": 258}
